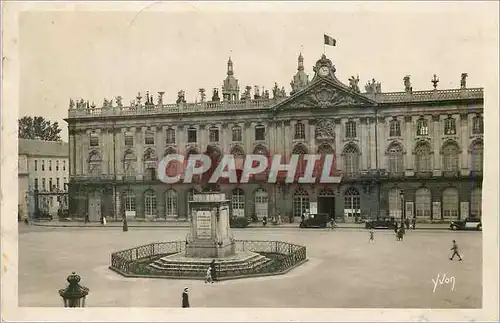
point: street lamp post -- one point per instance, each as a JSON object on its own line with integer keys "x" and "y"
{"x": 402, "y": 195}
{"x": 74, "y": 294}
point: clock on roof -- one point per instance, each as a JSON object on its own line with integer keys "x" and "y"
{"x": 324, "y": 71}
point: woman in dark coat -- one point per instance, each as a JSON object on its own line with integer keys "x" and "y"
{"x": 213, "y": 270}
{"x": 185, "y": 298}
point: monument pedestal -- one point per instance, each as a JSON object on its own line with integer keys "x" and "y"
{"x": 210, "y": 235}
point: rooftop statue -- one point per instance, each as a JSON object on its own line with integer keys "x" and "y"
{"x": 353, "y": 83}
{"x": 463, "y": 80}
{"x": 407, "y": 83}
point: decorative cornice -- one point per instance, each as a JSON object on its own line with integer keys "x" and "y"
{"x": 408, "y": 118}
{"x": 436, "y": 117}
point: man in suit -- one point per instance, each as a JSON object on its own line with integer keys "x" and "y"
{"x": 185, "y": 298}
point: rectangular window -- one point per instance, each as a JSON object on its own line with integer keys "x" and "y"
{"x": 36, "y": 165}
{"x": 236, "y": 134}
{"x": 214, "y": 135}
{"x": 260, "y": 133}
{"x": 94, "y": 140}
{"x": 65, "y": 182}
{"x": 43, "y": 184}
{"x": 129, "y": 139}
{"x": 192, "y": 135}
{"x": 350, "y": 129}
{"x": 36, "y": 183}
{"x": 170, "y": 136}
{"x": 50, "y": 165}
{"x": 422, "y": 127}
{"x": 449, "y": 126}
{"x": 300, "y": 131}
{"x": 57, "y": 184}
{"x": 50, "y": 184}
{"x": 64, "y": 165}
{"x": 477, "y": 125}
{"x": 149, "y": 138}
{"x": 43, "y": 165}
{"x": 57, "y": 165}
{"x": 395, "y": 129}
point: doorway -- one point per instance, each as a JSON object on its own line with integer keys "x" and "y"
{"x": 94, "y": 208}
{"x": 326, "y": 202}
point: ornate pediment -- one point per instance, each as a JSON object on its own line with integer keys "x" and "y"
{"x": 325, "y": 94}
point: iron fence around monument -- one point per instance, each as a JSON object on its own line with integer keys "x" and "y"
{"x": 130, "y": 261}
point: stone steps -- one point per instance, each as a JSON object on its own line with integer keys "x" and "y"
{"x": 190, "y": 267}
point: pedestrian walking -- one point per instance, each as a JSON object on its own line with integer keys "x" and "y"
{"x": 455, "y": 251}
{"x": 185, "y": 298}
{"x": 407, "y": 223}
{"x": 208, "y": 277}
{"x": 372, "y": 233}
{"x": 87, "y": 217}
{"x": 413, "y": 222}
{"x": 400, "y": 233}
{"x": 213, "y": 270}
{"x": 396, "y": 227}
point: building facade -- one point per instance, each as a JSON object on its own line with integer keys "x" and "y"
{"x": 418, "y": 152}
{"x": 43, "y": 166}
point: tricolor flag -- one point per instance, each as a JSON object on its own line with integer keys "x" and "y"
{"x": 330, "y": 40}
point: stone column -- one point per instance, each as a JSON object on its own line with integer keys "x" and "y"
{"x": 436, "y": 140}
{"x": 373, "y": 144}
{"x": 180, "y": 138}
{"x": 225, "y": 138}
{"x": 408, "y": 128}
{"x": 363, "y": 144}
{"x": 287, "y": 140}
{"x": 463, "y": 135}
{"x": 339, "y": 165}
{"x": 382, "y": 139}
{"x": 247, "y": 136}
{"x": 203, "y": 138}
{"x": 310, "y": 137}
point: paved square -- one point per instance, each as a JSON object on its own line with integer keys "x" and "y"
{"x": 343, "y": 270}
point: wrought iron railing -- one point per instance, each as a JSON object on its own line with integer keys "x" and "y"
{"x": 134, "y": 261}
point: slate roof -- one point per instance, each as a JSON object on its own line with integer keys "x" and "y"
{"x": 43, "y": 148}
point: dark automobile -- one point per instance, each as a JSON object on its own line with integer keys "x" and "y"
{"x": 319, "y": 220}
{"x": 382, "y": 223}
{"x": 467, "y": 224}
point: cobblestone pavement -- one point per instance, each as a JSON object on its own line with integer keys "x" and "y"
{"x": 343, "y": 270}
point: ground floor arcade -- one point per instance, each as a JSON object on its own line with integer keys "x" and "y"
{"x": 427, "y": 201}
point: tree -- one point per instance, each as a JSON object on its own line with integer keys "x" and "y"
{"x": 38, "y": 128}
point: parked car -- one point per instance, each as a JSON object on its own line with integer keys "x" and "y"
{"x": 319, "y": 220}
{"x": 239, "y": 222}
{"x": 467, "y": 224}
{"x": 381, "y": 223}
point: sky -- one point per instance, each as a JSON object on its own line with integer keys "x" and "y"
{"x": 96, "y": 52}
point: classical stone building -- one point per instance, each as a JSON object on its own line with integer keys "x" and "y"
{"x": 420, "y": 149}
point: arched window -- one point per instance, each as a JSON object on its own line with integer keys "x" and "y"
{"x": 300, "y": 202}
{"x": 352, "y": 203}
{"x": 476, "y": 203}
{"x": 95, "y": 164}
{"x": 238, "y": 202}
{"x": 129, "y": 203}
{"x": 450, "y": 203}
{"x": 301, "y": 164}
{"x": 150, "y": 164}
{"x": 395, "y": 203}
{"x": 423, "y": 203}
{"x": 351, "y": 160}
{"x": 476, "y": 155}
{"x": 423, "y": 158}
{"x": 171, "y": 203}
{"x": 260, "y": 150}
{"x": 395, "y": 156}
{"x": 150, "y": 203}
{"x": 450, "y": 157}
{"x": 261, "y": 199}
{"x": 129, "y": 164}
